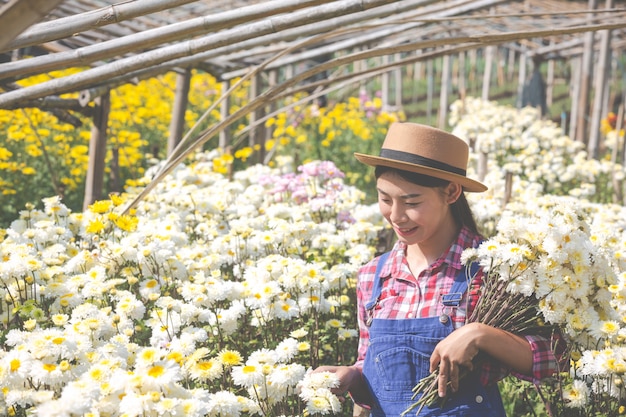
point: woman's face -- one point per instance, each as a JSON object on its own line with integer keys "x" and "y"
{"x": 416, "y": 213}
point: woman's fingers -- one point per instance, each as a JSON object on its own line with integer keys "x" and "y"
{"x": 448, "y": 378}
{"x": 442, "y": 384}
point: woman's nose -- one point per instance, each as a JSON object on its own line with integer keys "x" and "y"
{"x": 397, "y": 214}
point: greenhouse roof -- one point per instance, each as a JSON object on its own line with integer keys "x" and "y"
{"x": 121, "y": 42}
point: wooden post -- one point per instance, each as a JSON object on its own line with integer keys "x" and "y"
{"x": 481, "y": 169}
{"x": 500, "y": 59}
{"x": 585, "y": 82}
{"x": 600, "y": 90}
{"x": 550, "y": 81}
{"x": 489, "y": 52}
{"x": 574, "y": 95}
{"x": 523, "y": 60}
{"x": 417, "y": 76}
{"x": 511, "y": 64}
{"x": 473, "y": 58}
{"x": 443, "y": 95}
{"x": 398, "y": 83}
{"x": 181, "y": 99}
{"x": 272, "y": 80}
{"x": 461, "y": 76}
{"x": 224, "y": 137}
{"x": 430, "y": 89}
{"x": 97, "y": 150}
{"x": 618, "y": 184}
{"x": 508, "y": 188}
{"x": 384, "y": 84}
{"x": 257, "y": 138}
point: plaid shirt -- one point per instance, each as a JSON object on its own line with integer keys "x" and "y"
{"x": 405, "y": 296}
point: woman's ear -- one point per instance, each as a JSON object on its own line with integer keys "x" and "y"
{"x": 453, "y": 192}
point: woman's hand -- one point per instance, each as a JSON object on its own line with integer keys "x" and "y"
{"x": 349, "y": 377}
{"x": 453, "y": 353}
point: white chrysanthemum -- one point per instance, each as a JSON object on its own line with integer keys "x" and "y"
{"x": 344, "y": 334}
{"x": 228, "y": 319}
{"x": 286, "y": 350}
{"x": 263, "y": 356}
{"x": 60, "y": 319}
{"x": 160, "y": 376}
{"x": 286, "y": 309}
{"x": 315, "y": 380}
{"x": 261, "y": 293}
{"x": 129, "y": 306}
{"x": 224, "y": 404}
{"x": 16, "y": 366}
{"x": 321, "y": 401}
{"x": 285, "y": 376}
{"x": 299, "y": 333}
{"x": 248, "y": 375}
{"x": 524, "y": 284}
{"x": 205, "y": 370}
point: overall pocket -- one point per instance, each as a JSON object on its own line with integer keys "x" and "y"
{"x": 399, "y": 366}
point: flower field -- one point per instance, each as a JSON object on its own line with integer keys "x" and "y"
{"x": 223, "y": 287}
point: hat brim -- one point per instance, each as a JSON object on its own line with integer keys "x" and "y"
{"x": 467, "y": 183}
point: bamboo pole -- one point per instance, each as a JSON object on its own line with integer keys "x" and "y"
{"x": 444, "y": 93}
{"x": 398, "y": 24}
{"x": 500, "y": 66}
{"x": 574, "y": 95}
{"x": 256, "y": 138}
{"x": 68, "y": 26}
{"x": 585, "y": 87}
{"x": 181, "y": 99}
{"x": 272, "y": 80}
{"x": 97, "y": 151}
{"x": 399, "y": 88}
{"x": 600, "y": 93}
{"x": 417, "y": 76}
{"x": 550, "y": 80}
{"x": 151, "y": 38}
{"x": 384, "y": 84}
{"x": 191, "y": 47}
{"x": 489, "y": 52}
{"x": 283, "y": 89}
{"x": 521, "y": 80}
{"x": 462, "y": 77}
{"x": 511, "y": 55}
{"x": 115, "y": 71}
{"x": 17, "y": 15}
{"x": 430, "y": 89}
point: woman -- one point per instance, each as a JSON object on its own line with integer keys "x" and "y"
{"x": 413, "y": 302}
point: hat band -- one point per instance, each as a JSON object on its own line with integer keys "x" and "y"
{"x": 420, "y": 160}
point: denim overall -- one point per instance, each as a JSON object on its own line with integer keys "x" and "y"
{"x": 398, "y": 356}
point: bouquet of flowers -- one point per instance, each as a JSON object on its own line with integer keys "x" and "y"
{"x": 543, "y": 273}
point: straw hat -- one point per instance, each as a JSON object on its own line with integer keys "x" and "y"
{"x": 425, "y": 150}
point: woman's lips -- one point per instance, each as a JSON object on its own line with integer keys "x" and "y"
{"x": 405, "y": 232}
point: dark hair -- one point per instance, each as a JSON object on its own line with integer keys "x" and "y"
{"x": 461, "y": 211}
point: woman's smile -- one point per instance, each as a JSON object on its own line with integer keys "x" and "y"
{"x": 404, "y": 232}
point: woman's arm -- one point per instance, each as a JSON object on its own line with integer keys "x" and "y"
{"x": 462, "y": 345}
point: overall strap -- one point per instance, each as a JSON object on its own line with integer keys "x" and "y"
{"x": 461, "y": 282}
{"x": 378, "y": 286}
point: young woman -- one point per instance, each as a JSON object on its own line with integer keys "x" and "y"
{"x": 413, "y": 302}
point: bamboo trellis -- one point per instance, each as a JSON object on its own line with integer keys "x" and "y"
{"x": 130, "y": 41}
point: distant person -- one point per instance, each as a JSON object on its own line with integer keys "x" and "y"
{"x": 534, "y": 93}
